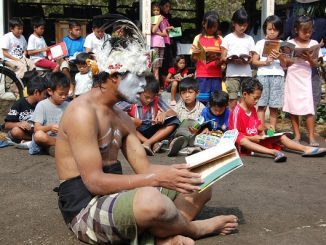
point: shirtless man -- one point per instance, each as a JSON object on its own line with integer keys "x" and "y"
{"x": 100, "y": 204}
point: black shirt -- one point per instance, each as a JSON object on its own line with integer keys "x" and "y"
{"x": 20, "y": 111}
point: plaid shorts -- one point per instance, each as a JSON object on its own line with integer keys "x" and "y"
{"x": 273, "y": 91}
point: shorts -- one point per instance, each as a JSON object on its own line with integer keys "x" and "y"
{"x": 110, "y": 220}
{"x": 148, "y": 130}
{"x": 208, "y": 85}
{"x": 273, "y": 91}
{"x": 233, "y": 86}
{"x": 159, "y": 57}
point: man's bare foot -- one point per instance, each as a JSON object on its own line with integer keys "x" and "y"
{"x": 223, "y": 225}
{"x": 175, "y": 240}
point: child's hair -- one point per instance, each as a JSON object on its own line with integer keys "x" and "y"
{"x": 219, "y": 98}
{"x": 276, "y": 23}
{"x": 300, "y": 22}
{"x": 29, "y": 75}
{"x": 155, "y": 5}
{"x": 175, "y": 63}
{"x": 240, "y": 17}
{"x": 58, "y": 79}
{"x": 97, "y": 23}
{"x": 188, "y": 83}
{"x": 210, "y": 19}
{"x": 37, "y": 21}
{"x": 74, "y": 23}
{"x": 81, "y": 58}
{"x": 13, "y": 22}
{"x": 37, "y": 83}
{"x": 249, "y": 85}
{"x": 152, "y": 85}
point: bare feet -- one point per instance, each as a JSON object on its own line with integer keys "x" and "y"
{"x": 176, "y": 240}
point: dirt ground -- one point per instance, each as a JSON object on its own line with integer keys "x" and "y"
{"x": 276, "y": 203}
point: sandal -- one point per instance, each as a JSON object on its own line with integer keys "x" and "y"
{"x": 175, "y": 146}
{"x": 316, "y": 152}
{"x": 157, "y": 147}
{"x": 280, "y": 157}
{"x": 148, "y": 150}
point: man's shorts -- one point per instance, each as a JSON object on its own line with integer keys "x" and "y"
{"x": 233, "y": 86}
{"x": 273, "y": 91}
{"x": 110, "y": 220}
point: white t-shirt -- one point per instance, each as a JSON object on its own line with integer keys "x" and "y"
{"x": 35, "y": 42}
{"x": 236, "y": 46}
{"x": 84, "y": 83}
{"x": 15, "y": 46}
{"x": 92, "y": 42}
{"x": 273, "y": 69}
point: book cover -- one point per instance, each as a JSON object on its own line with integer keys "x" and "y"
{"x": 214, "y": 163}
{"x": 175, "y": 32}
{"x": 154, "y": 19}
{"x": 313, "y": 50}
{"x": 57, "y": 51}
{"x": 269, "y": 46}
{"x": 209, "y": 54}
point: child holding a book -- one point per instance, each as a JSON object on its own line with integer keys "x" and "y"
{"x": 237, "y": 50}
{"x": 298, "y": 95}
{"x": 206, "y": 52}
{"x": 251, "y": 137}
{"x": 175, "y": 75}
{"x": 270, "y": 72}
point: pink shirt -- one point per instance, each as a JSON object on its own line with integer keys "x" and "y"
{"x": 165, "y": 23}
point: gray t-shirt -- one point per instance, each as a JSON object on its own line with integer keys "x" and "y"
{"x": 48, "y": 113}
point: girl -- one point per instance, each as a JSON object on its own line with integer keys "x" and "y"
{"x": 238, "y": 44}
{"x": 206, "y": 52}
{"x": 270, "y": 72}
{"x": 175, "y": 75}
{"x": 298, "y": 98}
{"x": 157, "y": 38}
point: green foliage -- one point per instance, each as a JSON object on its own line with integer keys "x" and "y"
{"x": 321, "y": 114}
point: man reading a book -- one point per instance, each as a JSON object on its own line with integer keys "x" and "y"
{"x": 157, "y": 201}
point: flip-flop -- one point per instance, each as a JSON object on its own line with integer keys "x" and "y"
{"x": 148, "y": 150}
{"x": 175, "y": 146}
{"x": 280, "y": 157}
{"x": 316, "y": 152}
{"x": 157, "y": 147}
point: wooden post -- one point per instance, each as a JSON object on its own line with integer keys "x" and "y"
{"x": 145, "y": 18}
{"x": 267, "y": 9}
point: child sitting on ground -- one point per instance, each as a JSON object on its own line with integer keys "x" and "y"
{"x": 74, "y": 40}
{"x": 156, "y": 120}
{"x": 251, "y": 132}
{"x": 18, "y": 119}
{"x": 48, "y": 113}
{"x": 83, "y": 78}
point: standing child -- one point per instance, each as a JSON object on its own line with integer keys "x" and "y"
{"x": 157, "y": 40}
{"x": 240, "y": 44}
{"x": 298, "y": 97}
{"x": 84, "y": 78}
{"x": 95, "y": 40}
{"x": 206, "y": 53}
{"x": 251, "y": 136}
{"x": 48, "y": 112}
{"x": 175, "y": 75}
{"x": 270, "y": 72}
{"x": 13, "y": 46}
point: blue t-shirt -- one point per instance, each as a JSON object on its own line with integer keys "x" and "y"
{"x": 220, "y": 122}
{"x": 74, "y": 45}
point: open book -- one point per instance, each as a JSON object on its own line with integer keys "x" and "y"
{"x": 57, "y": 51}
{"x": 209, "y": 54}
{"x": 266, "y": 136}
{"x": 214, "y": 163}
{"x": 239, "y": 59}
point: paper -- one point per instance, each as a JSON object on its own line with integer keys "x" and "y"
{"x": 57, "y": 51}
{"x": 175, "y": 32}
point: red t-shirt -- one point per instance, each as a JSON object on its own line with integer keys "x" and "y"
{"x": 173, "y": 71}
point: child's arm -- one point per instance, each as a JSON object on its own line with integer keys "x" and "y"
{"x": 23, "y": 125}
{"x": 156, "y": 30}
{"x": 9, "y": 56}
{"x": 309, "y": 57}
{"x": 46, "y": 128}
{"x": 37, "y": 51}
{"x": 169, "y": 78}
{"x": 257, "y": 62}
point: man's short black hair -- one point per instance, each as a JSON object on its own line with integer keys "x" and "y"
{"x": 58, "y": 79}
{"x": 81, "y": 58}
{"x": 37, "y": 21}
{"x": 74, "y": 23}
{"x": 152, "y": 85}
{"x": 37, "y": 83}
{"x": 188, "y": 83}
{"x": 13, "y": 22}
{"x": 219, "y": 98}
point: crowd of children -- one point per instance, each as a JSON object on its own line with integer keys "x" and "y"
{"x": 203, "y": 107}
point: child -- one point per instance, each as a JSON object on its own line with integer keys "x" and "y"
{"x": 95, "y": 40}
{"x": 36, "y": 47}
{"x": 237, "y": 43}
{"x": 175, "y": 75}
{"x": 251, "y": 131}
{"x": 14, "y": 45}
{"x": 298, "y": 98}
{"x": 83, "y": 78}
{"x": 157, "y": 40}
{"x": 270, "y": 72}
{"x": 18, "y": 119}
{"x": 155, "y": 119}
{"x": 74, "y": 40}
{"x": 48, "y": 113}
{"x": 207, "y": 58}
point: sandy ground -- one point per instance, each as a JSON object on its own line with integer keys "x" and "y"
{"x": 276, "y": 203}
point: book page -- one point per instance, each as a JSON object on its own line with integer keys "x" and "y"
{"x": 313, "y": 50}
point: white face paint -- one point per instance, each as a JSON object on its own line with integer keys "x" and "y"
{"x": 131, "y": 86}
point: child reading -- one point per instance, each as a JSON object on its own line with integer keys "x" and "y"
{"x": 251, "y": 136}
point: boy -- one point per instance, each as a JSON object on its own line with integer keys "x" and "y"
{"x": 74, "y": 41}
{"x": 155, "y": 119}
{"x": 95, "y": 40}
{"x": 18, "y": 119}
{"x": 14, "y": 45}
{"x": 48, "y": 113}
{"x": 83, "y": 78}
{"x": 251, "y": 132}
